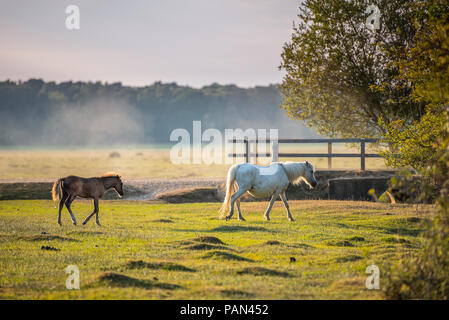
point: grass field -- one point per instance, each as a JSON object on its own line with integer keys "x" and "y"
{"x": 140, "y": 162}
{"x": 163, "y": 251}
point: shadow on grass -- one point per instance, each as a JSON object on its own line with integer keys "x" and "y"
{"x": 45, "y": 237}
{"x": 339, "y": 243}
{"x": 394, "y": 240}
{"x": 84, "y": 233}
{"x": 238, "y": 229}
{"x": 221, "y": 255}
{"x": 356, "y": 238}
{"x": 236, "y": 294}
{"x": 259, "y": 271}
{"x": 163, "y": 220}
{"x": 112, "y": 279}
{"x": 348, "y": 258}
{"x": 170, "y": 266}
{"x": 205, "y": 246}
{"x": 403, "y": 231}
{"x": 207, "y": 239}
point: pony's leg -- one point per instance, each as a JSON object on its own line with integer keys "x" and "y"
{"x": 61, "y": 205}
{"x": 68, "y": 203}
{"x": 95, "y": 211}
{"x": 270, "y": 205}
{"x": 234, "y": 197}
{"x": 238, "y": 210}
{"x": 284, "y": 199}
{"x": 238, "y": 207}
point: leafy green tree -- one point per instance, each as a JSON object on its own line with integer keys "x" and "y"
{"x": 427, "y": 62}
{"x": 426, "y": 275}
{"x": 342, "y": 77}
{"x": 426, "y": 66}
{"x": 414, "y": 144}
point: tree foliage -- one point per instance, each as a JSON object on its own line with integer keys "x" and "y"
{"x": 426, "y": 275}
{"x": 414, "y": 144}
{"x": 342, "y": 77}
{"x": 426, "y": 66}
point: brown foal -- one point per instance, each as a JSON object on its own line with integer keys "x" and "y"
{"x": 67, "y": 189}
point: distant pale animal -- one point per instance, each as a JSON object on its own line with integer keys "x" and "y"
{"x": 67, "y": 189}
{"x": 262, "y": 182}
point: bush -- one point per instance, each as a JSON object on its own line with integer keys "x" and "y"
{"x": 426, "y": 276}
{"x": 414, "y": 144}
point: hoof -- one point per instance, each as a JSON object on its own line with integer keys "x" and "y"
{"x": 98, "y": 223}
{"x": 74, "y": 223}
{"x": 291, "y": 219}
{"x": 60, "y": 224}
{"x": 242, "y": 219}
{"x": 228, "y": 218}
{"x": 84, "y": 223}
{"x": 267, "y": 218}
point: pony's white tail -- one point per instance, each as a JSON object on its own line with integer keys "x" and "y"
{"x": 229, "y": 184}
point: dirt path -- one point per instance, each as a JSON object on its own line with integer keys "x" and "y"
{"x": 149, "y": 188}
{"x": 135, "y": 189}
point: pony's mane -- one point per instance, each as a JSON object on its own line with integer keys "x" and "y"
{"x": 110, "y": 174}
{"x": 295, "y": 170}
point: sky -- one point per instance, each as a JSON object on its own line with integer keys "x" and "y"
{"x": 138, "y": 42}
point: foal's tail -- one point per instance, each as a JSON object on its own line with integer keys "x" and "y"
{"x": 56, "y": 190}
{"x": 229, "y": 184}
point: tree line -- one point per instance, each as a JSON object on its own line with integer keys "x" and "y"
{"x": 38, "y": 112}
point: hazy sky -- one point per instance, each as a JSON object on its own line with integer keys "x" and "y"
{"x": 193, "y": 42}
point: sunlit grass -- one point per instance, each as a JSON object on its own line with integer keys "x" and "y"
{"x": 332, "y": 242}
{"x": 136, "y": 163}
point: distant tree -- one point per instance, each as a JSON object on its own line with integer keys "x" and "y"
{"x": 343, "y": 77}
{"x": 38, "y": 112}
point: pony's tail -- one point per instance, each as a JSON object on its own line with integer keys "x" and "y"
{"x": 229, "y": 183}
{"x": 56, "y": 190}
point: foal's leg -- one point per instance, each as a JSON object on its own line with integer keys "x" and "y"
{"x": 68, "y": 204}
{"x": 95, "y": 211}
{"x": 267, "y": 212}
{"x": 61, "y": 205}
{"x": 284, "y": 199}
{"x": 234, "y": 197}
{"x": 96, "y": 215}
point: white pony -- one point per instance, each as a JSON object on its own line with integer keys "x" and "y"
{"x": 266, "y": 181}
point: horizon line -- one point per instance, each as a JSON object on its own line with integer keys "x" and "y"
{"x": 19, "y": 81}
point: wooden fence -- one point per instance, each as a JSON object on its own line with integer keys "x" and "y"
{"x": 329, "y": 155}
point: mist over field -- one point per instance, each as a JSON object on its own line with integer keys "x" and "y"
{"x": 78, "y": 113}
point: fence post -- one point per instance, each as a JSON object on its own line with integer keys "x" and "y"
{"x": 246, "y": 151}
{"x": 329, "y": 151}
{"x": 256, "y": 143}
{"x": 362, "y": 154}
{"x": 274, "y": 150}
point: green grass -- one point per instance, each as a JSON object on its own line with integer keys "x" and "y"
{"x": 138, "y": 254}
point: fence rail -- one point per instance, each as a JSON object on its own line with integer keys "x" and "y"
{"x": 275, "y": 149}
